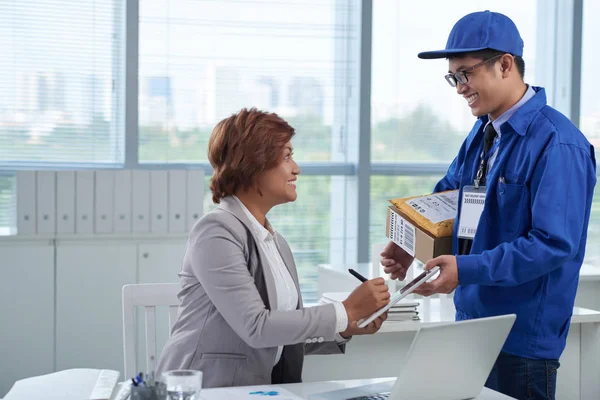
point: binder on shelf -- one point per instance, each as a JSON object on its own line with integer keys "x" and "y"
{"x": 84, "y": 202}
{"x": 122, "y": 192}
{"x": 65, "y": 201}
{"x": 177, "y": 201}
{"x": 140, "y": 204}
{"x": 195, "y": 197}
{"x": 26, "y": 199}
{"x": 159, "y": 222}
{"x": 104, "y": 198}
{"x": 46, "y": 202}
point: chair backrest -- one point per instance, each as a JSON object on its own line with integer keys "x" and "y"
{"x": 149, "y": 296}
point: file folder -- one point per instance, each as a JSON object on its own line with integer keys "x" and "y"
{"x": 123, "y": 206}
{"x": 46, "y": 202}
{"x": 104, "y": 200}
{"x": 65, "y": 201}
{"x": 159, "y": 222}
{"x": 26, "y": 203}
{"x": 84, "y": 202}
{"x": 140, "y": 205}
{"x": 177, "y": 201}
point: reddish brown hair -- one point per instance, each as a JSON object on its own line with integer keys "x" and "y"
{"x": 243, "y": 146}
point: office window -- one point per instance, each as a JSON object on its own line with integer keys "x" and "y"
{"x": 416, "y": 115}
{"x": 589, "y": 121}
{"x": 60, "y": 77}
{"x": 202, "y": 61}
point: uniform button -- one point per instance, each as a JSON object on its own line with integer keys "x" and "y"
{"x": 308, "y": 341}
{"x": 320, "y": 340}
{"x": 315, "y": 340}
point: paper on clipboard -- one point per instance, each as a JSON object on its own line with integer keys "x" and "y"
{"x": 400, "y": 294}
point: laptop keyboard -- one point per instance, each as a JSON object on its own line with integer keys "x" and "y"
{"x": 378, "y": 396}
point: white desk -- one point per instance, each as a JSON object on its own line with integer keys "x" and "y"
{"x": 374, "y": 356}
{"x": 588, "y": 292}
{"x": 306, "y": 389}
{"x": 335, "y": 278}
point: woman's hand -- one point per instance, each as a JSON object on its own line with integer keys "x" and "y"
{"x": 367, "y": 298}
{"x": 373, "y": 327}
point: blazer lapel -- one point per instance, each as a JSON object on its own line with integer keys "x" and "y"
{"x": 230, "y": 205}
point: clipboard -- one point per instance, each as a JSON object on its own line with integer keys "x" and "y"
{"x": 400, "y": 294}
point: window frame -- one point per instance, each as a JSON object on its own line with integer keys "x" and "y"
{"x": 559, "y": 29}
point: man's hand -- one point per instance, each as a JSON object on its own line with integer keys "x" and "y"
{"x": 446, "y": 282}
{"x": 373, "y": 327}
{"x": 395, "y": 261}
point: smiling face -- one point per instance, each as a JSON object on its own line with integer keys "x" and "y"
{"x": 485, "y": 90}
{"x": 278, "y": 184}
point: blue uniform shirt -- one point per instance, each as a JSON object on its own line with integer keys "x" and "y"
{"x": 530, "y": 241}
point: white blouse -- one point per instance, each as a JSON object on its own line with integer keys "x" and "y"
{"x": 287, "y": 295}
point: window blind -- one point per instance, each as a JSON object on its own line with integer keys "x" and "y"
{"x": 201, "y": 61}
{"x": 61, "y": 81}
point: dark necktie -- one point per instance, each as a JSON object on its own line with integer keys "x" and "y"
{"x": 488, "y": 140}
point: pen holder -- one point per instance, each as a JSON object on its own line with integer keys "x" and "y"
{"x": 156, "y": 392}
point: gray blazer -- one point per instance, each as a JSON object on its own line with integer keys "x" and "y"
{"x": 228, "y": 325}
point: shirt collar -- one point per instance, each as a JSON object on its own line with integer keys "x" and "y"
{"x": 498, "y": 122}
{"x": 260, "y": 232}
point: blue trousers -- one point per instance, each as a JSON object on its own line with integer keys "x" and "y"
{"x": 524, "y": 378}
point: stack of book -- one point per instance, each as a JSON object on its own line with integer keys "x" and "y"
{"x": 404, "y": 310}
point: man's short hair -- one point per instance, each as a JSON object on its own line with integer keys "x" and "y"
{"x": 243, "y": 146}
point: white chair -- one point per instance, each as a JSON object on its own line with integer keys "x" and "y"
{"x": 148, "y": 296}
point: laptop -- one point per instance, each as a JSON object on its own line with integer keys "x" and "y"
{"x": 445, "y": 362}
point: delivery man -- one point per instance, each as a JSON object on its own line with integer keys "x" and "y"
{"x": 526, "y": 176}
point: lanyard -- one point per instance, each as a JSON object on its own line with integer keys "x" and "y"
{"x": 483, "y": 162}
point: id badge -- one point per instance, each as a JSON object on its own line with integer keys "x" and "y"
{"x": 472, "y": 202}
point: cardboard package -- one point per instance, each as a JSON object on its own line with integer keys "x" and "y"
{"x": 422, "y": 225}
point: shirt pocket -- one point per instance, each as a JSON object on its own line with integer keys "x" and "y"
{"x": 511, "y": 212}
{"x": 231, "y": 356}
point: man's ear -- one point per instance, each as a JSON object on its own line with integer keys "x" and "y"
{"x": 507, "y": 63}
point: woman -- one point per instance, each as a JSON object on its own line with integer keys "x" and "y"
{"x": 241, "y": 319}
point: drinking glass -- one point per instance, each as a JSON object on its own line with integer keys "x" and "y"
{"x": 183, "y": 384}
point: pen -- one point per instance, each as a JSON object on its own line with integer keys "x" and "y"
{"x": 357, "y": 275}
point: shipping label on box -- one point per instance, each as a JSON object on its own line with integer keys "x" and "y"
{"x": 433, "y": 213}
{"x": 401, "y": 232}
{"x": 436, "y": 207}
{"x": 422, "y": 225}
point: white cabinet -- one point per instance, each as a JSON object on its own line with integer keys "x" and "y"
{"x": 158, "y": 262}
{"x": 89, "y": 279}
{"x": 62, "y": 300}
{"x": 27, "y": 298}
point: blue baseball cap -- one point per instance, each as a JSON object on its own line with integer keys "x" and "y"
{"x": 479, "y": 31}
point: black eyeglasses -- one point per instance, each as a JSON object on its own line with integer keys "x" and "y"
{"x": 461, "y": 76}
